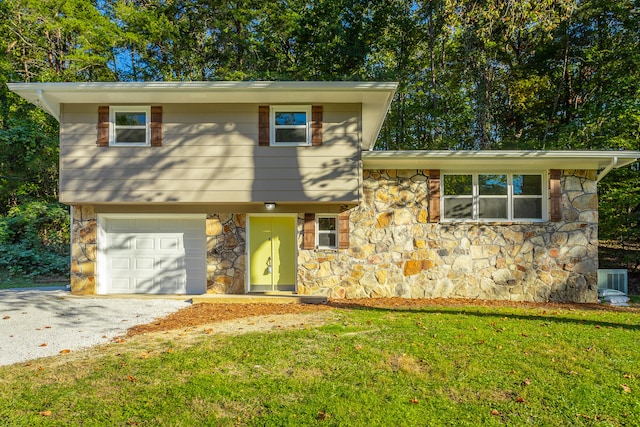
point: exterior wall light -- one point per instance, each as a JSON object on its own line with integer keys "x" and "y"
{"x": 269, "y": 206}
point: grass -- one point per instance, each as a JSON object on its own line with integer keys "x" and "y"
{"x": 363, "y": 367}
{"x": 9, "y": 282}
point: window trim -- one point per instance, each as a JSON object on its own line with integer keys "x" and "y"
{"x": 273, "y": 109}
{"x": 335, "y": 232}
{"x": 128, "y": 109}
{"x": 475, "y": 196}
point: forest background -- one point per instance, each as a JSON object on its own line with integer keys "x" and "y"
{"x": 494, "y": 74}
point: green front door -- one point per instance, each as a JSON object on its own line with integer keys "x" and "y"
{"x": 272, "y": 253}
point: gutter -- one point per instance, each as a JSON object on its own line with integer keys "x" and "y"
{"x": 605, "y": 171}
{"x": 44, "y": 104}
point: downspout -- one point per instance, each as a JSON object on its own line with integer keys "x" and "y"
{"x": 44, "y": 104}
{"x": 605, "y": 171}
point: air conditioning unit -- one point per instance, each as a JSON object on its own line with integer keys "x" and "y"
{"x": 610, "y": 278}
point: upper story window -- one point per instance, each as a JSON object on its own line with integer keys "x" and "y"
{"x": 290, "y": 125}
{"x": 130, "y": 125}
{"x": 493, "y": 197}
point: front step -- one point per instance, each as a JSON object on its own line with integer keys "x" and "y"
{"x": 270, "y": 298}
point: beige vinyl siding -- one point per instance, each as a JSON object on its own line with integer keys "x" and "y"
{"x": 210, "y": 154}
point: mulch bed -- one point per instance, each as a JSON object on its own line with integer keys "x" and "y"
{"x": 205, "y": 313}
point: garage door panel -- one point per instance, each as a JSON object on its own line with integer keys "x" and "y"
{"x": 120, "y": 264}
{"x": 169, "y": 244}
{"x": 121, "y": 285}
{"x": 155, "y": 255}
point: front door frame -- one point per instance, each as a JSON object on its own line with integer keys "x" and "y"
{"x": 248, "y": 246}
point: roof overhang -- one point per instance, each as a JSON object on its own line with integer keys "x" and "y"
{"x": 375, "y": 97}
{"x": 478, "y": 161}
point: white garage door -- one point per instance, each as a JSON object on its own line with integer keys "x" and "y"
{"x": 153, "y": 255}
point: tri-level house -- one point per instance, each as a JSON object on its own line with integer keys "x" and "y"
{"x": 241, "y": 187}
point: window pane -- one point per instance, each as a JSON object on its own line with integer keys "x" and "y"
{"x": 492, "y": 207}
{"x": 326, "y": 224}
{"x": 131, "y": 135}
{"x": 460, "y": 207}
{"x": 291, "y": 135}
{"x": 492, "y": 185}
{"x": 327, "y": 240}
{"x": 458, "y": 185}
{"x": 527, "y": 207}
{"x": 527, "y": 185}
{"x": 131, "y": 119}
{"x": 291, "y": 118}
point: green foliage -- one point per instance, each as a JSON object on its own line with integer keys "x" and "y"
{"x": 545, "y": 74}
{"x": 34, "y": 240}
{"x": 466, "y": 366}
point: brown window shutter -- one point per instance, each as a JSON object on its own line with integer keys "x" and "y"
{"x": 263, "y": 126}
{"x": 103, "y": 126}
{"x": 156, "y": 126}
{"x": 309, "y": 239}
{"x": 343, "y": 230}
{"x": 316, "y": 125}
{"x": 555, "y": 194}
{"x": 434, "y": 196}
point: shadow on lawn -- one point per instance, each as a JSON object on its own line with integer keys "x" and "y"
{"x": 545, "y": 314}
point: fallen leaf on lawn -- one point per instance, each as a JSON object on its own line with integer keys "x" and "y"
{"x": 169, "y": 350}
{"x": 520, "y": 399}
{"x": 527, "y": 381}
{"x": 625, "y": 388}
{"x": 132, "y": 379}
{"x": 628, "y": 376}
{"x": 44, "y": 344}
{"x": 414, "y": 401}
{"x": 65, "y": 351}
{"x": 40, "y": 368}
{"x": 512, "y": 371}
{"x": 495, "y": 412}
{"x": 45, "y": 413}
{"x": 358, "y": 347}
{"x": 323, "y": 416}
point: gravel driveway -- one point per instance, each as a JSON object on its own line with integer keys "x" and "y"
{"x": 42, "y": 322}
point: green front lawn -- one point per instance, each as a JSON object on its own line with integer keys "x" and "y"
{"x": 365, "y": 367}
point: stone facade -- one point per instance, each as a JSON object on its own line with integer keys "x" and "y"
{"x": 395, "y": 251}
{"x": 83, "y": 250}
{"x": 226, "y": 253}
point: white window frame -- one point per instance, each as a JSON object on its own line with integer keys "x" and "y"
{"x": 510, "y": 197}
{"x": 129, "y": 109}
{"x": 335, "y": 232}
{"x": 290, "y": 108}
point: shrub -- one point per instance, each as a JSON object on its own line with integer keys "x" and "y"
{"x": 34, "y": 240}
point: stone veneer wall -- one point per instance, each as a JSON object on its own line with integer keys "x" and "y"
{"x": 226, "y": 253}
{"x": 83, "y": 250}
{"x": 395, "y": 251}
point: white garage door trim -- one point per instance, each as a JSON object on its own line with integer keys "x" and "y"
{"x": 188, "y": 278}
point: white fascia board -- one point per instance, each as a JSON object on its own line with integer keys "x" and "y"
{"x": 477, "y": 161}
